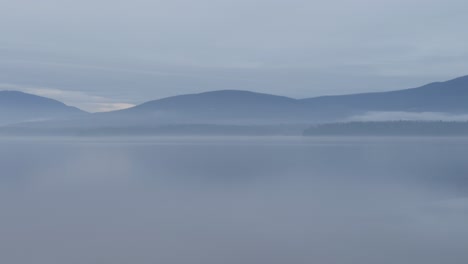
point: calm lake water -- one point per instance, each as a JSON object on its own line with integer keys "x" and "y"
{"x": 234, "y": 200}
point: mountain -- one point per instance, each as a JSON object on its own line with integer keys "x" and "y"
{"x": 244, "y": 107}
{"x": 221, "y": 107}
{"x": 234, "y": 109}
{"x": 449, "y": 97}
{"x": 225, "y": 106}
{"x": 227, "y": 112}
{"x": 17, "y": 107}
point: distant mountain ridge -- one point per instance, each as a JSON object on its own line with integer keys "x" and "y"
{"x": 223, "y": 106}
{"x": 450, "y": 96}
{"x": 16, "y": 107}
{"x": 237, "y": 107}
{"x": 244, "y": 106}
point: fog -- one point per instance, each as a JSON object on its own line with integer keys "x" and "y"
{"x": 409, "y": 116}
{"x": 234, "y": 200}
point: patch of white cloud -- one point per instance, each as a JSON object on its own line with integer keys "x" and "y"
{"x": 82, "y": 100}
{"x": 409, "y": 116}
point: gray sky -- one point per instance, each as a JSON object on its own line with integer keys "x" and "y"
{"x": 108, "y": 54}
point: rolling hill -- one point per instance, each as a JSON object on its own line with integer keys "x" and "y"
{"x": 234, "y": 106}
{"x": 450, "y": 97}
{"x": 18, "y": 107}
{"x": 231, "y": 108}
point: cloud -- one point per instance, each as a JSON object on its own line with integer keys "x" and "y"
{"x": 106, "y": 107}
{"x": 296, "y": 48}
{"x": 78, "y": 99}
{"x": 409, "y": 116}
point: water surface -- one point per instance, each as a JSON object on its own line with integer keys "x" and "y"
{"x": 234, "y": 200}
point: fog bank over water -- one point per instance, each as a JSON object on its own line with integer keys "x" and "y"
{"x": 409, "y": 116}
{"x": 234, "y": 200}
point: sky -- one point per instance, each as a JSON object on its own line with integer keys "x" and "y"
{"x": 102, "y": 55}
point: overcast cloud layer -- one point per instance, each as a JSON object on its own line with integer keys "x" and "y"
{"x": 128, "y": 52}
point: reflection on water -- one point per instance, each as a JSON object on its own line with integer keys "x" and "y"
{"x": 234, "y": 200}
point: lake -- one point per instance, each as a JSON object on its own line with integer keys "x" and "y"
{"x": 234, "y": 200}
